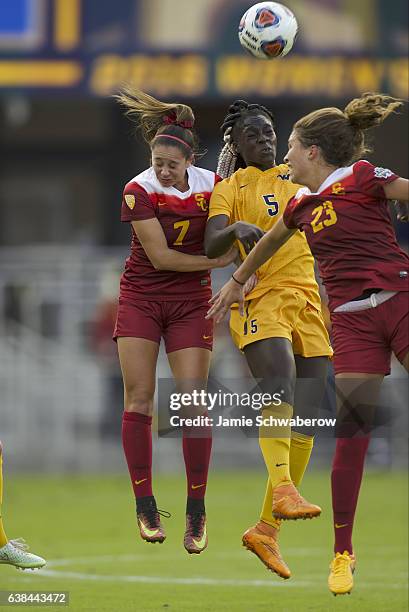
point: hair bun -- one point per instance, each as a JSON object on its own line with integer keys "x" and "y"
{"x": 171, "y": 119}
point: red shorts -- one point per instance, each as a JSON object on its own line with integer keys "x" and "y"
{"x": 181, "y": 324}
{"x": 363, "y": 341}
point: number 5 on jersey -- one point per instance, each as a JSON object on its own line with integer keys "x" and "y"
{"x": 271, "y": 202}
{"x": 184, "y": 226}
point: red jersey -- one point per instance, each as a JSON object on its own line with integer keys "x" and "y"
{"x": 183, "y": 219}
{"x": 349, "y": 230}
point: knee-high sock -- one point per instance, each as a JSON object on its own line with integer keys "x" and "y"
{"x": 197, "y": 448}
{"x": 137, "y": 445}
{"x": 300, "y": 452}
{"x": 3, "y": 537}
{"x": 275, "y": 444}
{"x": 346, "y": 477}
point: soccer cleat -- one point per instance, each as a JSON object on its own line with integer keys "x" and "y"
{"x": 262, "y": 541}
{"x": 148, "y": 517}
{"x": 195, "y": 540}
{"x": 288, "y": 504}
{"x": 340, "y": 579}
{"x": 15, "y": 552}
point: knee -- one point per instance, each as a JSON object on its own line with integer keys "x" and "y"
{"x": 137, "y": 400}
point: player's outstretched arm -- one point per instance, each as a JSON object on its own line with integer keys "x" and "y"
{"x": 397, "y": 190}
{"x": 220, "y": 236}
{"x": 233, "y": 290}
{"x": 153, "y": 240}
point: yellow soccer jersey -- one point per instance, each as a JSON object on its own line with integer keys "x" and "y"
{"x": 258, "y": 197}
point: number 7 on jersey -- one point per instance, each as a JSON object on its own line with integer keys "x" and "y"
{"x": 184, "y": 226}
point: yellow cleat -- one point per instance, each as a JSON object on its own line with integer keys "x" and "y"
{"x": 148, "y": 519}
{"x": 340, "y": 579}
{"x": 288, "y": 504}
{"x": 195, "y": 540}
{"x": 262, "y": 541}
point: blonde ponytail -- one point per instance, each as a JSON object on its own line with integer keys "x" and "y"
{"x": 341, "y": 134}
{"x": 370, "y": 110}
{"x": 151, "y": 114}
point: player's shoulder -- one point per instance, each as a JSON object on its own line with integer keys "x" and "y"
{"x": 144, "y": 181}
{"x": 244, "y": 176}
{"x": 364, "y": 166}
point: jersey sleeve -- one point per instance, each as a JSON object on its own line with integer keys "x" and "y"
{"x": 372, "y": 178}
{"x": 136, "y": 204}
{"x": 222, "y": 199}
{"x": 289, "y": 214}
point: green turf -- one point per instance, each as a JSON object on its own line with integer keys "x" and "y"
{"x": 85, "y": 527}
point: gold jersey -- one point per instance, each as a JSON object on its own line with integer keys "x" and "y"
{"x": 260, "y": 197}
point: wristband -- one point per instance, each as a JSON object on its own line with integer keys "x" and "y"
{"x": 238, "y": 282}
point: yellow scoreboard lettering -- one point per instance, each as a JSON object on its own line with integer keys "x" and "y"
{"x": 67, "y": 24}
{"x": 163, "y": 75}
{"x": 40, "y": 73}
{"x": 332, "y": 76}
{"x": 398, "y": 76}
{"x": 367, "y": 75}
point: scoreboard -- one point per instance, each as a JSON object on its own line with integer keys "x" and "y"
{"x": 21, "y": 24}
{"x": 36, "y": 38}
{"x": 29, "y": 25}
{"x": 91, "y": 47}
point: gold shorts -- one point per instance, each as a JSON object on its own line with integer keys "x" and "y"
{"x": 282, "y": 313}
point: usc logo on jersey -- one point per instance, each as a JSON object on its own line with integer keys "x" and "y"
{"x": 201, "y": 201}
{"x": 338, "y": 188}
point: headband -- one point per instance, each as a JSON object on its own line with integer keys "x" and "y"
{"x": 173, "y": 138}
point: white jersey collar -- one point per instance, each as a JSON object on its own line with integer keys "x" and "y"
{"x": 334, "y": 177}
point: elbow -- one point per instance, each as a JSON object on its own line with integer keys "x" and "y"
{"x": 210, "y": 252}
{"x": 158, "y": 262}
{"x": 210, "y": 245}
{"x": 210, "y": 249}
{"x": 207, "y": 247}
{"x": 159, "y": 265}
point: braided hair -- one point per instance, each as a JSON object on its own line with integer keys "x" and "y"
{"x": 229, "y": 160}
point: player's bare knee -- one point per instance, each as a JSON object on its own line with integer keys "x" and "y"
{"x": 139, "y": 401}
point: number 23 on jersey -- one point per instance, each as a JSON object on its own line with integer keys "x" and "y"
{"x": 324, "y": 215}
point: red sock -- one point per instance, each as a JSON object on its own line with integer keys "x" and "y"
{"x": 137, "y": 444}
{"x": 197, "y": 448}
{"x": 346, "y": 476}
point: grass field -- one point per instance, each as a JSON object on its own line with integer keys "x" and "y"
{"x": 85, "y": 527}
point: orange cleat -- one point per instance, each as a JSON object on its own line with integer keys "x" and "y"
{"x": 288, "y": 504}
{"x": 262, "y": 541}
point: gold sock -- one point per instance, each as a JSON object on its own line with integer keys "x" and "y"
{"x": 3, "y": 537}
{"x": 300, "y": 452}
{"x": 275, "y": 443}
{"x": 266, "y": 512}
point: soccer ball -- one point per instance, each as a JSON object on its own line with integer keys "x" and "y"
{"x": 267, "y": 30}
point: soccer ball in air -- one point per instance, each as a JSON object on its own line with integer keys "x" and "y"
{"x": 267, "y": 30}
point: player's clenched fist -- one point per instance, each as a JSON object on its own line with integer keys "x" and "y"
{"x": 248, "y": 234}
